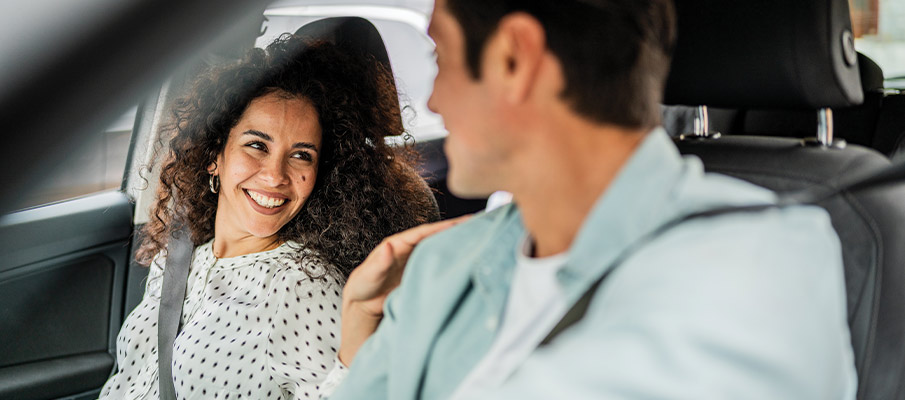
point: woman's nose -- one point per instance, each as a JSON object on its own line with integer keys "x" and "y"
{"x": 273, "y": 172}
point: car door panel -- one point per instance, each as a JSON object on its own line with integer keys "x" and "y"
{"x": 55, "y": 378}
{"x": 62, "y": 277}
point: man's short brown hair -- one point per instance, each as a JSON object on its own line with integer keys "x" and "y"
{"x": 615, "y": 54}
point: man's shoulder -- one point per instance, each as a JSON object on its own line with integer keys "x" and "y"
{"x": 453, "y": 250}
{"x": 777, "y": 252}
{"x": 483, "y": 229}
{"x": 713, "y": 189}
{"x": 742, "y": 237}
{"x": 753, "y": 292}
{"x": 793, "y": 231}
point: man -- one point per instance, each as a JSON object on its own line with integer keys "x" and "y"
{"x": 557, "y": 103}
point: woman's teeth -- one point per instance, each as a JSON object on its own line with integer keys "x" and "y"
{"x": 264, "y": 201}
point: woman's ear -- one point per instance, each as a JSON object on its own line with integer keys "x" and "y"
{"x": 212, "y": 169}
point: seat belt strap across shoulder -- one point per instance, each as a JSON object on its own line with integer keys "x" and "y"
{"x": 888, "y": 175}
{"x": 175, "y": 276}
{"x": 579, "y": 309}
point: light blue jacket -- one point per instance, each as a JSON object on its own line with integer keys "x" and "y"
{"x": 743, "y": 306}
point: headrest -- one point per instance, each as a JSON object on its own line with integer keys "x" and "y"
{"x": 353, "y": 34}
{"x": 871, "y": 74}
{"x": 774, "y": 54}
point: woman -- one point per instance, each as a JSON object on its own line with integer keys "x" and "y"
{"x": 278, "y": 166}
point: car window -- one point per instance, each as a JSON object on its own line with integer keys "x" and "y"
{"x": 95, "y": 167}
{"x": 880, "y": 35}
{"x": 409, "y": 48}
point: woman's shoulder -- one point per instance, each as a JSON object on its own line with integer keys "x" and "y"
{"x": 303, "y": 281}
{"x": 302, "y": 267}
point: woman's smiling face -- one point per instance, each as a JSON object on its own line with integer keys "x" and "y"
{"x": 268, "y": 167}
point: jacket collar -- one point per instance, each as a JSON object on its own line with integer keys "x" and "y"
{"x": 635, "y": 204}
{"x": 640, "y": 200}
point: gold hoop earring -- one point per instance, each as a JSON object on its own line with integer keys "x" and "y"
{"x": 214, "y": 183}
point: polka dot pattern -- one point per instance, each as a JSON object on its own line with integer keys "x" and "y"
{"x": 254, "y": 327}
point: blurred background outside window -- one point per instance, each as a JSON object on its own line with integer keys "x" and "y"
{"x": 100, "y": 165}
{"x": 97, "y": 166}
{"x": 879, "y": 28}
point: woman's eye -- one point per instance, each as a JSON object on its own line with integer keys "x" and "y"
{"x": 257, "y": 146}
{"x": 303, "y": 156}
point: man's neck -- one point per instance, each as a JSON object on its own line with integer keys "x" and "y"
{"x": 577, "y": 167}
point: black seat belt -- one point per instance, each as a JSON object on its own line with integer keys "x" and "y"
{"x": 891, "y": 174}
{"x": 172, "y": 296}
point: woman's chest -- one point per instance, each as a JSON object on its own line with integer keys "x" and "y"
{"x": 222, "y": 347}
{"x": 243, "y": 292}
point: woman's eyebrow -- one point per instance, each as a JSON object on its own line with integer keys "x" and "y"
{"x": 304, "y": 145}
{"x": 259, "y": 134}
{"x": 262, "y": 135}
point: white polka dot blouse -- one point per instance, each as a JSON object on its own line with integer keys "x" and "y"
{"x": 254, "y": 327}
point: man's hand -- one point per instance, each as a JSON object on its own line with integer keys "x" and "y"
{"x": 371, "y": 282}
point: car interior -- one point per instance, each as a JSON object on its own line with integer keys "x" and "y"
{"x": 820, "y": 73}
{"x": 772, "y": 92}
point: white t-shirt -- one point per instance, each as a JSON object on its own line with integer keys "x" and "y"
{"x": 534, "y": 306}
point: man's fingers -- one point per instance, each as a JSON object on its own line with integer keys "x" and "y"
{"x": 386, "y": 254}
{"x": 383, "y": 268}
{"x": 396, "y": 266}
{"x": 380, "y": 261}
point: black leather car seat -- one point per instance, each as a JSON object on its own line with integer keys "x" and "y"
{"x": 799, "y": 55}
{"x": 890, "y": 135}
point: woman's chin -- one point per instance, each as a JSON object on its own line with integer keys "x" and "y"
{"x": 264, "y": 226}
{"x": 258, "y": 228}
{"x": 264, "y": 232}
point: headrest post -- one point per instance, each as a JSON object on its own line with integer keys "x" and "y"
{"x": 701, "y": 122}
{"x": 825, "y": 126}
{"x": 701, "y": 127}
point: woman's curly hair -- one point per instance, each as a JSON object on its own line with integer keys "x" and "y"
{"x": 365, "y": 190}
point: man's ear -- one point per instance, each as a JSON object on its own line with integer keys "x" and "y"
{"x": 515, "y": 54}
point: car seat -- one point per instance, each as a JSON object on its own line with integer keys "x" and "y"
{"x": 799, "y": 56}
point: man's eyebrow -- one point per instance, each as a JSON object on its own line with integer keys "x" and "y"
{"x": 259, "y": 134}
